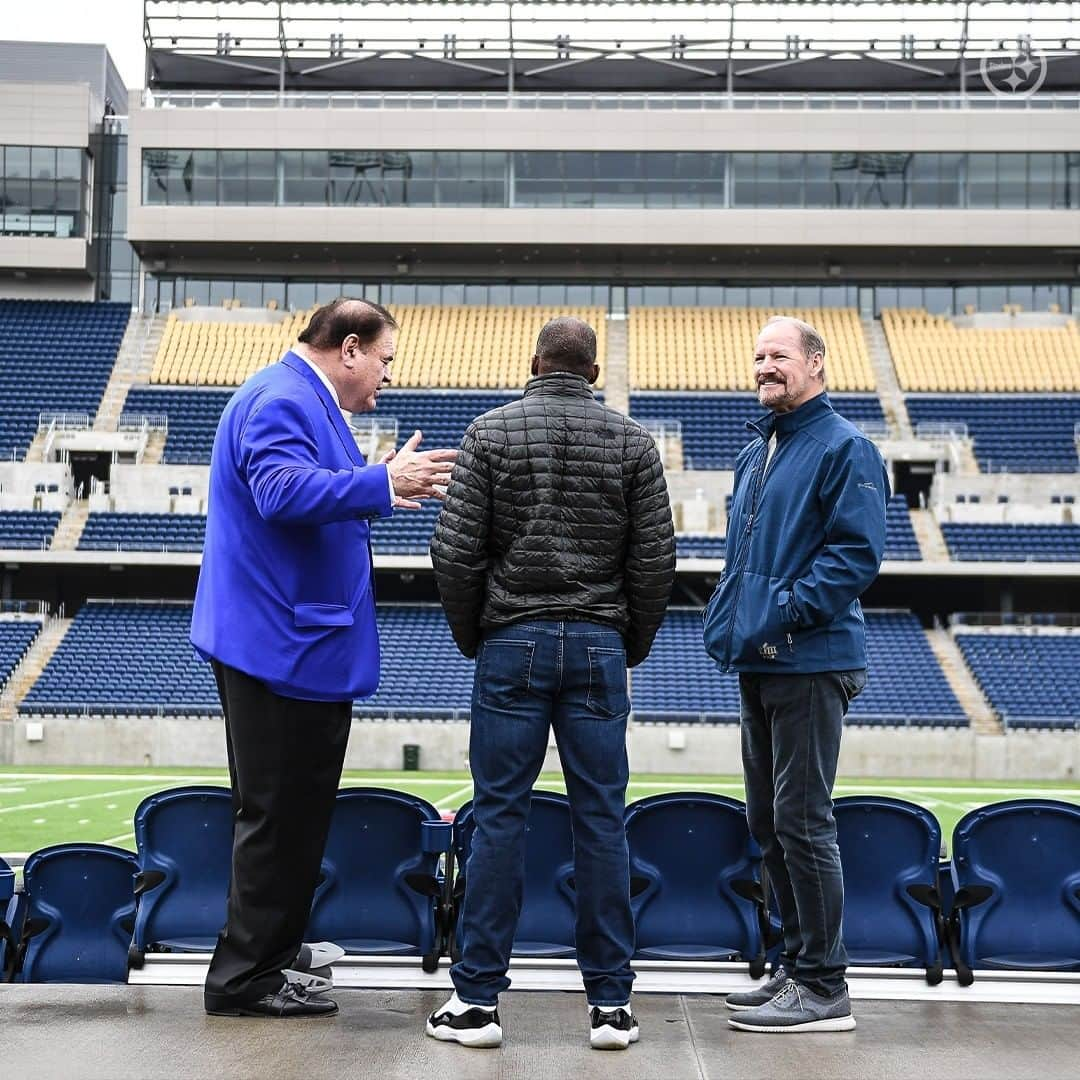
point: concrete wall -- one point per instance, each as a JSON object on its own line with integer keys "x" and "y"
{"x": 45, "y": 114}
{"x": 866, "y": 752}
{"x": 145, "y": 488}
{"x": 790, "y": 130}
{"x": 18, "y": 250}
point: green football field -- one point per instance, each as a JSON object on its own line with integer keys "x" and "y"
{"x": 41, "y": 806}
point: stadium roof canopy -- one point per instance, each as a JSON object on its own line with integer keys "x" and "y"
{"x": 604, "y": 45}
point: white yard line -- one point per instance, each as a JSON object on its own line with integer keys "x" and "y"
{"x": 77, "y": 799}
{"x": 117, "y": 839}
{"x": 450, "y": 802}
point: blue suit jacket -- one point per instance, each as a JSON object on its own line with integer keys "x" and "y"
{"x": 285, "y": 592}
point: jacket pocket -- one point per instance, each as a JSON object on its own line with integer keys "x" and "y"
{"x": 607, "y": 695}
{"x": 761, "y": 635}
{"x": 715, "y": 620}
{"x": 322, "y": 615}
{"x": 504, "y": 672}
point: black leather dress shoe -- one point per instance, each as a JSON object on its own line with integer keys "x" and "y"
{"x": 288, "y": 1003}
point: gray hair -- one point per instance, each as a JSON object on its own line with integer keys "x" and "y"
{"x": 811, "y": 341}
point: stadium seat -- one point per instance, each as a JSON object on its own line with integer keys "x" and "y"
{"x": 79, "y": 914}
{"x": 546, "y": 926}
{"x": 16, "y": 636}
{"x": 694, "y": 870}
{"x": 1016, "y": 867}
{"x": 9, "y": 928}
{"x": 995, "y": 542}
{"x": 184, "y": 839}
{"x": 381, "y": 892}
{"x": 143, "y": 532}
{"x": 892, "y": 907}
{"x": 30, "y": 530}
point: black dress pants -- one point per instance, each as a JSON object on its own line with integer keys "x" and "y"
{"x": 285, "y": 759}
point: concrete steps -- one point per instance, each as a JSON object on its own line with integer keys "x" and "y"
{"x": 134, "y": 363}
{"x": 888, "y": 388}
{"x": 32, "y": 665}
{"x": 154, "y": 449}
{"x": 616, "y": 367}
{"x": 932, "y": 544}
{"x": 72, "y": 523}
{"x": 967, "y": 691}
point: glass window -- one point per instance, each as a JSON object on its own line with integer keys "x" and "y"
{"x": 17, "y": 162}
{"x": 1040, "y": 180}
{"x": 220, "y": 291}
{"x": 301, "y": 295}
{"x": 1012, "y": 180}
{"x": 43, "y": 163}
{"x": 981, "y": 180}
{"x": 476, "y": 294}
{"x": 233, "y": 171}
{"x": 69, "y": 163}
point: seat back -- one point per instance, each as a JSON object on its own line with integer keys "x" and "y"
{"x": 687, "y": 851}
{"x": 889, "y": 848}
{"x": 374, "y": 896}
{"x": 184, "y": 838}
{"x": 9, "y": 917}
{"x": 80, "y": 906}
{"x": 548, "y": 910}
{"x": 1024, "y": 856}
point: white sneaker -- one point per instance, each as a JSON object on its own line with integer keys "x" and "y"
{"x": 612, "y": 1029}
{"x": 457, "y": 1021}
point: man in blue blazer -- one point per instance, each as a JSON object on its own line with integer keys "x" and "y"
{"x": 285, "y": 611}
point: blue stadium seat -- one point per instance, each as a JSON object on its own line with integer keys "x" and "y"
{"x": 1027, "y": 677}
{"x": 55, "y": 356}
{"x": 193, "y": 419}
{"x": 184, "y": 839}
{"x": 714, "y": 425}
{"x": 28, "y": 530}
{"x": 892, "y": 907}
{"x": 16, "y": 636}
{"x": 380, "y": 890}
{"x": 9, "y": 924}
{"x": 79, "y": 914}
{"x": 143, "y": 532}
{"x": 1011, "y": 432}
{"x": 900, "y": 539}
{"x": 546, "y": 926}
{"x": 1017, "y": 878}
{"x": 694, "y": 880}
{"x": 993, "y": 542}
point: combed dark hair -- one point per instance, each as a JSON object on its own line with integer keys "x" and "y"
{"x": 331, "y": 324}
{"x": 567, "y": 344}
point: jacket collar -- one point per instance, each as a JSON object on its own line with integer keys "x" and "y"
{"x": 562, "y": 383}
{"x": 784, "y": 423}
{"x": 333, "y": 410}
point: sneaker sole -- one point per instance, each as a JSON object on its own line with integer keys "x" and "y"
{"x": 741, "y": 1008}
{"x": 606, "y": 1038}
{"x": 836, "y": 1023}
{"x": 247, "y": 1014}
{"x": 487, "y": 1037}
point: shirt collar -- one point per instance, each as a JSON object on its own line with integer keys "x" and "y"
{"x": 322, "y": 378}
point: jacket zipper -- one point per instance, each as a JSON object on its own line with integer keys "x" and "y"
{"x": 744, "y": 549}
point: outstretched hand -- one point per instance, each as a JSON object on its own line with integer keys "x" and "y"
{"x": 418, "y": 474}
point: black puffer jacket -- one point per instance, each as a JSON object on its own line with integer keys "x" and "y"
{"x": 557, "y": 509}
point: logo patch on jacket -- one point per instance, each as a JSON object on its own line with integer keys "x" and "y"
{"x": 768, "y": 652}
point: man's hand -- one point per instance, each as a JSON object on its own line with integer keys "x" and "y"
{"x": 418, "y": 474}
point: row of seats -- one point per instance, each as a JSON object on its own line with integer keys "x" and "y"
{"x": 54, "y": 357}
{"x": 393, "y": 874}
{"x": 930, "y": 352}
{"x": 1029, "y": 679}
{"x": 453, "y": 346}
{"x": 30, "y": 530}
{"x": 143, "y": 532}
{"x": 16, "y": 636}
{"x": 127, "y": 658}
{"x": 679, "y": 683}
{"x": 1011, "y": 433}
{"x": 1012, "y": 543}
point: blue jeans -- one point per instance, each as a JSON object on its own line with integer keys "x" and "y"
{"x": 791, "y": 727}
{"x": 532, "y": 677}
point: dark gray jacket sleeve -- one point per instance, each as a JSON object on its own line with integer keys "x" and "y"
{"x": 650, "y": 553}
{"x": 460, "y": 546}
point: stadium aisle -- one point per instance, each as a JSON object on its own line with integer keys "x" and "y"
{"x": 156, "y": 1032}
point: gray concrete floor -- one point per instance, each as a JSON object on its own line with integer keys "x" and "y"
{"x": 150, "y": 1032}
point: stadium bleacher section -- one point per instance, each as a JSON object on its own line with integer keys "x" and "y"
{"x": 900, "y": 539}
{"x": 1015, "y": 433}
{"x": 54, "y": 357}
{"x": 994, "y": 542}
{"x": 143, "y": 532}
{"x": 712, "y": 348}
{"x": 16, "y": 636}
{"x": 193, "y": 419}
{"x": 27, "y": 529}
{"x": 714, "y": 424}
{"x": 1029, "y": 679}
{"x": 679, "y": 683}
{"x": 932, "y": 353}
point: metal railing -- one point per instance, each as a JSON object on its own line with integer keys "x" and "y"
{"x": 63, "y": 421}
{"x": 423, "y": 101}
{"x": 1025, "y": 620}
{"x": 143, "y": 422}
{"x": 936, "y": 429}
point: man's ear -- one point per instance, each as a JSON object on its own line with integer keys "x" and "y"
{"x": 535, "y": 366}
{"x": 349, "y": 347}
{"x": 595, "y": 373}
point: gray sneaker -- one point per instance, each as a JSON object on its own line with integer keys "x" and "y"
{"x": 760, "y": 995}
{"x": 797, "y": 1008}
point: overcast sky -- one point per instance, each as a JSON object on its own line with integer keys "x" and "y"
{"x": 118, "y": 23}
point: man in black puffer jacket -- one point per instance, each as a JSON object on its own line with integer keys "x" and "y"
{"x": 554, "y": 557}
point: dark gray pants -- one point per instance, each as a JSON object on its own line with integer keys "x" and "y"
{"x": 790, "y": 744}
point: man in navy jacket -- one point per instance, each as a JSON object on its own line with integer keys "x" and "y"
{"x": 285, "y": 610}
{"x": 806, "y": 535}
